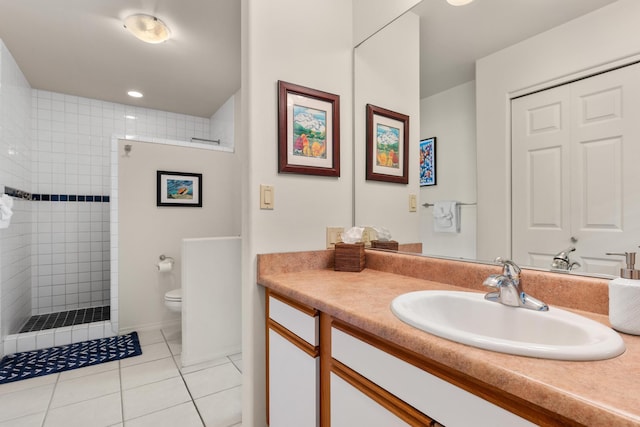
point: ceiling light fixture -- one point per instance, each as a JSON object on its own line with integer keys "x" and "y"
{"x": 147, "y": 28}
{"x": 458, "y": 2}
{"x": 134, "y": 94}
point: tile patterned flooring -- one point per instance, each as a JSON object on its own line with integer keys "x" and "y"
{"x": 41, "y": 322}
{"x": 143, "y": 391}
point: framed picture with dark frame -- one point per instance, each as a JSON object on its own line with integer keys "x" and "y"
{"x": 179, "y": 189}
{"x": 308, "y": 131}
{"x": 428, "y": 161}
{"x": 387, "y": 145}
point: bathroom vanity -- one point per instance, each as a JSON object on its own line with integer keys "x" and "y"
{"x": 337, "y": 355}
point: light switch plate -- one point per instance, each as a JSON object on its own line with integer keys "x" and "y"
{"x": 334, "y": 235}
{"x": 413, "y": 203}
{"x": 267, "y": 196}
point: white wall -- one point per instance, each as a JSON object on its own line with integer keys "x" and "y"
{"x": 145, "y": 231}
{"x": 450, "y": 116}
{"x": 309, "y": 43}
{"x": 595, "y": 42}
{"x": 222, "y": 122}
{"x": 387, "y": 75}
{"x": 211, "y": 299}
{"x": 15, "y": 172}
{"x": 371, "y": 15}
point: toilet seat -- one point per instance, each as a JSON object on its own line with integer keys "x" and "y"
{"x": 173, "y": 300}
{"x": 174, "y": 295}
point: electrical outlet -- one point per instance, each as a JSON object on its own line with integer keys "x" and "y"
{"x": 334, "y": 235}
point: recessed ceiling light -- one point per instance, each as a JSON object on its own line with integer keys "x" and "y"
{"x": 458, "y": 2}
{"x": 147, "y": 28}
{"x": 134, "y": 94}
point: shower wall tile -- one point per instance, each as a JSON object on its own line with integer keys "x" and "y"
{"x": 15, "y": 172}
{"x": 72, "y": 157}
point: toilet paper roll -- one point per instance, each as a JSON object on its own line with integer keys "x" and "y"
{"x": 624, "y": 305}
{"x": 165, "y": 266}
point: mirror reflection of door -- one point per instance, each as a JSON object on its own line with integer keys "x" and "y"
{"x": 575, "y": 153}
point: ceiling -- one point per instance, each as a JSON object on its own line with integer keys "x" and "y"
{"x": 452, "y": 38}
{"x": 79, "y": 47}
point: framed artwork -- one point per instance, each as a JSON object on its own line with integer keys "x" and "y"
{"x": 308, "y": 131}
{"x": 179, "y": 189}
{"x": 428, "y": 162}
{"x": 387, "y": 145}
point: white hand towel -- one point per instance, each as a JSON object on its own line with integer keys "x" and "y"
{"x": 6, "y": 203}
{"x": 446, "y": 216}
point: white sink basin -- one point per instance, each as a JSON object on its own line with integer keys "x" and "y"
{"x": 468, "y": 318}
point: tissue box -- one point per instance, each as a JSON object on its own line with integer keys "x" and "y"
{"x": 391, "y": 245}
{"x": 349, "y": 257}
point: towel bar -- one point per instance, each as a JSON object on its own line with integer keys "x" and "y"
{"x": 428, "y": 205}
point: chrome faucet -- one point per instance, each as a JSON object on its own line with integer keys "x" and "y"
{"x": 562, "y": 262}
{"x": 508, "y": 290}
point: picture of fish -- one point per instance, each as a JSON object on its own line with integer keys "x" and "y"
{"x": 179, "y": 189}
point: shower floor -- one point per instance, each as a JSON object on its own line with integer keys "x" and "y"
{"x": 66, "y": 318}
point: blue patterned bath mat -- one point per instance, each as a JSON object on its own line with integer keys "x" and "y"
{"x": 29, "y": 364}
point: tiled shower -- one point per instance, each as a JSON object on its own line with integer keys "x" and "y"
{"x": 56, "y": 254}
{"x": 72, "y": 177}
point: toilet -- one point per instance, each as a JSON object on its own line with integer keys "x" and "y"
{"x": 173, "y": 300}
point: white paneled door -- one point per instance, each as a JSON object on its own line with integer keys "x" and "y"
{"x": 576, "y": 171}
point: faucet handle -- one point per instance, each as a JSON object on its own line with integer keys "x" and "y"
{"x": 510, "y": 268}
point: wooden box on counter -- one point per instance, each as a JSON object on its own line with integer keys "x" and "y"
{"x": 390, "y": 245}
{"x": 349, "y": 257}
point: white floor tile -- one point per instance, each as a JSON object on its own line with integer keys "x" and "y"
{"x": 34, "y": 420}
{"x": 25, "y": 402}
{"x": 85, "y": 388}
{"x": 153, "y": 392}
{"x": 237, "y": 356}
{"x": 204, "y": 365}
{"x": 173, "y": 333}
{"x": 150, "y": 337}
{"x": 26, "y": 384}
{"x": 89, "y": 370}
{"x": 213, "y": 380}
{"x": 153, "y": 397}
{"x": 222, "y": 409}
{"x": 237, "y": 364}
{"x": 149, "y": 352}
{"x": 145, "y": 373}
{"x": 175, "y": 346}
{"x": 101, "y": 412}
{"x": 184, "y": 415}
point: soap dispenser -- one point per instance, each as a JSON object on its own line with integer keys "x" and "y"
{"x": 624, "y": 297}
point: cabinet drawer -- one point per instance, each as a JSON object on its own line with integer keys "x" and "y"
{"x": 440, "y": 400}
{"x": 300, "y": 323}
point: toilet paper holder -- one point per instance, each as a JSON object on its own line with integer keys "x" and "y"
{"x": 166, "y": 264}
{"x": 163, "y": 257}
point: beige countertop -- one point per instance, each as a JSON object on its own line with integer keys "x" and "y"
{"x": 598, "y": 393}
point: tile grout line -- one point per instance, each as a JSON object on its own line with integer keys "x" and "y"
{"x": 183, "y": 380}
{"x": 53, "y": 392}
{"x": 121, "y": 392}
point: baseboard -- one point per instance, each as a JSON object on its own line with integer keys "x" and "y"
{"x": 151, "y": 326}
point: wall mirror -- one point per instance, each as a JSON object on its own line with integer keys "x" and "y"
{"x": 452, "y": 109}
